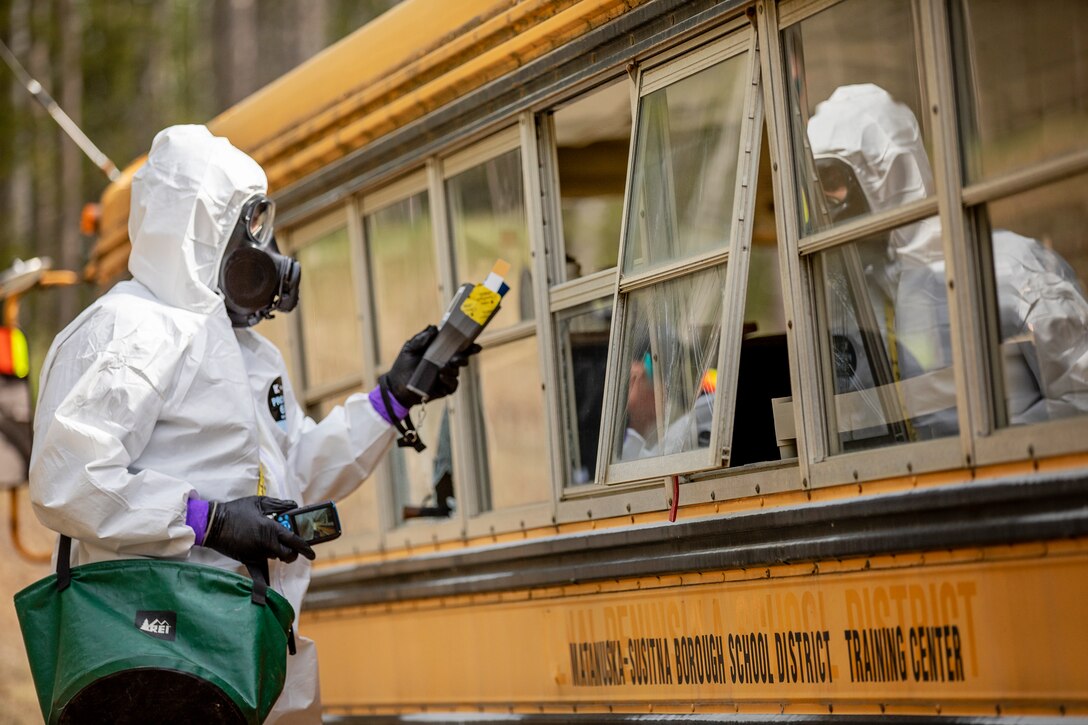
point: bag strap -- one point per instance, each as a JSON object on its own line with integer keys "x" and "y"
{"x": 64, "y": 563}
{"x": 258, "y": 572}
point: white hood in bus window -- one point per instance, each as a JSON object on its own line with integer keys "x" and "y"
{"x": 185, "y": 203}
{"x": 879, "y": 138}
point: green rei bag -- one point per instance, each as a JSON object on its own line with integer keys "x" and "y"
{"x": 152, "y": 640}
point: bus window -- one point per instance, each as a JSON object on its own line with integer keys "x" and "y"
{"x": 670, "y": 350}
{"x": 582, "y": 334}
{"x": 763, "y": 373}
{"x": 1039, "y": 249}
{"x": 405, "y": 297}
{"x": 487, "y": 221}
{"x": 332, "y": 372}
{"x": 685, "y": 167}
{"x": 830, "y": 60}
{"x": 328, "y": 310}
{"x": 512, "y": 410}
{"x": 592, "y": 136}
{"x": 359, "y": 511}
{"x": 1024, "y": 83}
{"x": 691, "y": 174}
{"x": 862, "y": 153}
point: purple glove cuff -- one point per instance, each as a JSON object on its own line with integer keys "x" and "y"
{"x": 196, "y": 517}
{"x": 379, "y": 405}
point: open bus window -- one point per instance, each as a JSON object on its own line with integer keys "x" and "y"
{"x": 592, "y": 136}
{"x": 400, "y": 248}
{"x": 487, "y": 221}
{"x": 763, "y": 373}
{"x": 582, "y": 335}
{"x": 693, "y": 147}
{"x": 670, "y": 353}
{"x": 685, "y": 173}
{"x": 862, "y": 153}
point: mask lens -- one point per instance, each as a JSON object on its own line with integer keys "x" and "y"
{"x": 260, "y": 221}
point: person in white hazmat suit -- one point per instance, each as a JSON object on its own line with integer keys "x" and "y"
{"x": 166, "y": 427}
{"x": 870, "y": 157}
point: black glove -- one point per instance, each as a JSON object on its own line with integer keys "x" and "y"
{"x": 396, "y": 380}
{"x": 242, "y": 530}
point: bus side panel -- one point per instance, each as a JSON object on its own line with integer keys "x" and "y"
{"x": 988, "y": 627}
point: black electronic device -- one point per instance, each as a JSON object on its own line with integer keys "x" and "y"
{"x": 315, "y": 524}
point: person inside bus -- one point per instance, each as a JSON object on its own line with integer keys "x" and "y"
{"x": 167, "y": 427}
{"x": 690, "y": 430}
{"x": 869, "y": 156}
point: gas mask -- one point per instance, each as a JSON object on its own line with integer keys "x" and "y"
{"x": 254, "y": 277}
{"x": 843, "y": 196}
{"x": 845, "y": 200}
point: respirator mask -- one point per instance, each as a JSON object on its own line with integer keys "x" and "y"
{"x": 843, "y": 195}
{"x": 254, "y": 277}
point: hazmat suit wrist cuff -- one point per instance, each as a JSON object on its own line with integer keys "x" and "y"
{"x": 379, "y": 405}
{"x": 196, "y": 517}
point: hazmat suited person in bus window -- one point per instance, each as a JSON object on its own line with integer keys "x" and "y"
{"x": 869, "y": 155}
{"x": 167, "y": 427}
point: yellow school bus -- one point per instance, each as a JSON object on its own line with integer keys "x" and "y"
{"x": 784, "y": 414}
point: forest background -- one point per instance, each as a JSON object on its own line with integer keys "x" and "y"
{"x": 122, "y": 70}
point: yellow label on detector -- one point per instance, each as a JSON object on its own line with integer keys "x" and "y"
{"x": 480, "y": 303}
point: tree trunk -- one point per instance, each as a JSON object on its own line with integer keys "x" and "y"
{"x": 20, "y": 201}
{"x": 71, "y": 255}
{"x": 312, "y": 26}
{"x": 235, "y": 36}
{"x": 44, "y": 158}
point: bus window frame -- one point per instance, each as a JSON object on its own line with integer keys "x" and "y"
{"x": 995, "y": 442}
{"x": 980, "y": 440}
{"x": 403, "y": 187}
{"x": 561, "y": 294}
{"x": 797, "y": 256}
{"x": 300, "y": 237}
{"x": 467, "y": 438}
{"x": 312, "y": 398}
{"x": 736, "y": 40}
